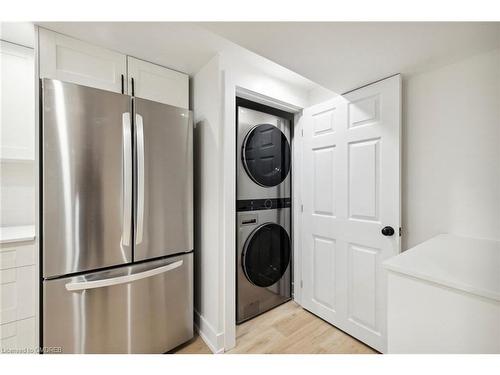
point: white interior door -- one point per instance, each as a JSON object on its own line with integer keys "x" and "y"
{"x": 350, "y": 192}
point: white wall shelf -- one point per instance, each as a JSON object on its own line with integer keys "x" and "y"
{"x": 18, "y": 280}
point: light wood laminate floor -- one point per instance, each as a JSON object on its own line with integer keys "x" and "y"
{"x": 287, "y": 329}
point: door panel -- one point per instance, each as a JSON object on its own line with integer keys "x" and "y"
{"x": 72, "y": 60}
{"x": 86, "y": 210}
{"x": 324, "y": 188}
{"x": 17, "y": 114}
{"x": 350, "y": 192}
{"x": 324, "y": 122}
{"x": 363, "y": 111}
{"x": 164, "y": 180}
{"x": 362, "y": 276}
{"x": 324, "y": 279}
{"x": 144, "y": 308}
{"x": 155, "y": 82}
{"x": 363, "y": 168}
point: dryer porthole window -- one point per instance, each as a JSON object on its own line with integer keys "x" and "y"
{"x": 266, "y": 155}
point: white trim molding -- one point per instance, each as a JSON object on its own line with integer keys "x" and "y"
{"x": 266, "y": 100}
{"x": 228, "y": 198}
{"x": 214, "y": 340}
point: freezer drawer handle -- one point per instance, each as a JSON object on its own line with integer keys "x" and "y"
{"x": 84, "y": 285}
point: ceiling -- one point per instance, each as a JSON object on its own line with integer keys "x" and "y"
{"x": 337, "y": 55}
{"x": 344, "y": 55}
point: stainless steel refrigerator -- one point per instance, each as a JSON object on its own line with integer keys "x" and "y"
{"x": 117, "y": 222}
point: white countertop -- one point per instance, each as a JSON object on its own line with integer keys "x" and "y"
{"x": 468, "y": 264}
{"x": 17, "y": 234}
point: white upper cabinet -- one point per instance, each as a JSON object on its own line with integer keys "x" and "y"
{"x": 72, "y": 60}
{"x": 155, "y": 82}
{"x": 17, "y": 107}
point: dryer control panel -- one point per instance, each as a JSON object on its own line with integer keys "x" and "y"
{"x": 262, "y": 204}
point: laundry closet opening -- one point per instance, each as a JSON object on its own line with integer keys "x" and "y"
{"x": 264, "y": 260}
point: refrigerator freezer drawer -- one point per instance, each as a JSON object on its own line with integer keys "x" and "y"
{"x": 142, "y": 308}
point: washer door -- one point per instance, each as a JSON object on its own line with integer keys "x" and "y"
{"x": 266, "y": 155}
{"x": 266, "y": 255}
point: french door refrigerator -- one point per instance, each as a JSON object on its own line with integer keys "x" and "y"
{"x": 117, "y": 222}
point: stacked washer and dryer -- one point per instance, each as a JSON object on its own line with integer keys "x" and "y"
{"x": 264, "y": 246}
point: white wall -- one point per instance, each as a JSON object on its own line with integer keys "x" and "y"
{"x": 206, "y": 101}
{"x": 257, "y": 79}
{"x": 214, "y": 89}
{"x": 320, "y": 94}
{"x": 451, "y": 151}
{"x": 262, "y": 82}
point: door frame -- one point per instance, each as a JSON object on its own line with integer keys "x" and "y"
{"x": 230, "y": 90}
{"x": 297, "y": 228}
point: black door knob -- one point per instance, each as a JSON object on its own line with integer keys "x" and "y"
{"x": 387, "y": 231}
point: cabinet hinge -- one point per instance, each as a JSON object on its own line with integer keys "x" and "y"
{"x": 301, "y": 284}
{"x": 302, "y": 131}
{"x": 399, "y": 231}
{"x": 301, "y": 208}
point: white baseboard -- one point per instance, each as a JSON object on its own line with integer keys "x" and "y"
{"x": 214, "y": 340}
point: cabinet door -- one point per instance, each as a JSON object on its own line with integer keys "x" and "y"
{"x": 157, "y": 83}
{"x": 74, "y": 61}
{"x": 19, "y": 337}
{"x": 18, "y": 288}
{"x": 17, "y": 140}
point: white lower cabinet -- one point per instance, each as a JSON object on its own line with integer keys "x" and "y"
{"x": 429, "y": 318}
{"x": 444, "y": 297}
{"x": 18, "y": 298}
{"x": 19, "y": 337}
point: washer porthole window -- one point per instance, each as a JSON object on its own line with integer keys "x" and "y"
{"x": 266, "y": 155}
{"x": 266, "y": 255}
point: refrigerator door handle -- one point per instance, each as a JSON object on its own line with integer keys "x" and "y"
{"x": 106, "y": 282}
{"x": 127, "y": 179}
{"x": 140, "y": 178}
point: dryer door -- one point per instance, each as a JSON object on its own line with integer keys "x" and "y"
{"x": 266, "y": 155}
{"x": 266, "y": 255}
